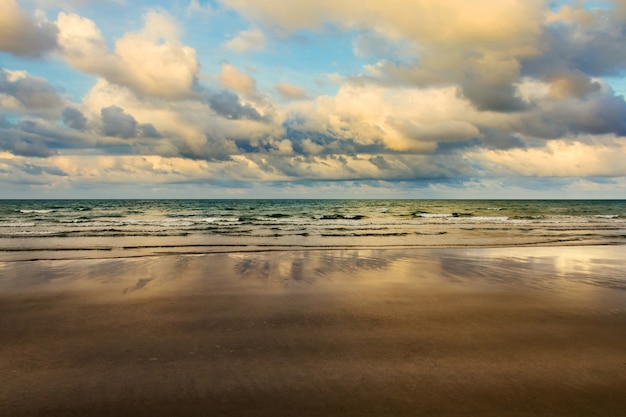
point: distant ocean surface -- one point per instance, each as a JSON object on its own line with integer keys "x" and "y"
{"x": 68, "y": 229}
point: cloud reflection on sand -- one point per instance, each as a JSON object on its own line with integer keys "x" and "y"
{"x": 504, "y": 269}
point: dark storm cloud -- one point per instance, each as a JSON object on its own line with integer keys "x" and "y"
{"x": 493, "y": 97}
{"x": 147, "y": 130}
{"x": 74, "y": 119}
{"x": 228, "y": 105}
{"x": 115, "y": 122}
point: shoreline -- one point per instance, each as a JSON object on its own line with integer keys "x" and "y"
{"x": 524, "y": 331}
{"x": 8, "y": 254}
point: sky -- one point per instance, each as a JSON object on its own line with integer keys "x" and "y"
{"x": 312, "y": 99}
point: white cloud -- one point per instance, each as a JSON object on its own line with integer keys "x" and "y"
{"x": 195, "y": 8}
{"x": 231, "y": 77}
{"x": 291, "y": 92}
{"x": 252, "y": 39}
{"x": 151, "y": 62}
{"x": 23, "y": 35}
{"x": 559, "y": 158}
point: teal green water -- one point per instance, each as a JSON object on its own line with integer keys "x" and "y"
{"x": 81, "y": 225}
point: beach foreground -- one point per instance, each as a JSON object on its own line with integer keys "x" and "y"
{"x": 487, "y": 332}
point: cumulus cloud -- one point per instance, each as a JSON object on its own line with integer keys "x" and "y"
{"x": 21, "y": 92}
{"x": 560, "y": 158}
{"x": 480, "y": 24}
{"x": 248, "y": 40}
{"x": 428, "y": 135}
{"x": 151, "y": 62}
{"x": 599, "y": 113}
{"x": 231, "y": 77}
{"x": 229, "y": 105}
{"x": 115, "y": 122}
{"x": 589, "y": 40}
{"x": 74, "y": 118}
{"x": 444, "y": 34}
{"x": 23, "y": 35}
{"x": 26, "y": 146}
{"x": 448, "y": 91}
{"x": 40, "y": 138}
{"x": 291, "y": 92}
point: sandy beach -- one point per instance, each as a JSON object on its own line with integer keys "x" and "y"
{"x": 396, "y": 332}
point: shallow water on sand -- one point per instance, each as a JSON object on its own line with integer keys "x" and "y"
{"x": 381, "y": 332}
{"x": 566, "y": 269}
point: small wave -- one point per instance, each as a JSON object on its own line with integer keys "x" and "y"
{"x": 430, "y": 233}
{"x": 278, "y": 215}
{"x": 246, "y": 219}
{"x": 433, "y": 215}
{"x": 18, "y": 224}
{"x": 41, "y": 211}
{"x": 354, "y": 229}
{"x": 340, "y": 217}
{"x": 208, "y": 219}
{"x": 391, "y": 234}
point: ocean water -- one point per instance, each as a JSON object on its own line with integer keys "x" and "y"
{"x": 68, "y": 229}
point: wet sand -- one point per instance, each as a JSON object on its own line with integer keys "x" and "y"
{"x": 482, "y": 332}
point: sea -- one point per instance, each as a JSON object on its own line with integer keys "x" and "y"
{"x": 82, "y": 229}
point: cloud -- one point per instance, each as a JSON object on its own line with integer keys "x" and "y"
{"x": 446, "y": 23}
{"x": 450, "y": 40}
{"x": 23, "y": 35}
{"x": 291, "y": 92}
{"x": 426, "y": 136}
{"x": 370, "y": 117}
{"x": 450, "y": 95}
{"x": 231, "y": 77}
{"x": 115, "y": 122}
{"x": 147, "y": 130}
{"x": 25, "y": 146}
{"x": 21, "y": 92}
{"x": 195, "y": 129}
{"x": 370, "y": 44}
{"x": 151, "y": 62}
{"x": 228, "y": 105}
{"x": 589, "y": 40}
{"x": 560, "y": 158}
{"x": 74, "y": 119}
{"x": 194, "y": 8}
{"x": 599, "y": 113}
{"x": 248, "y": 40}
